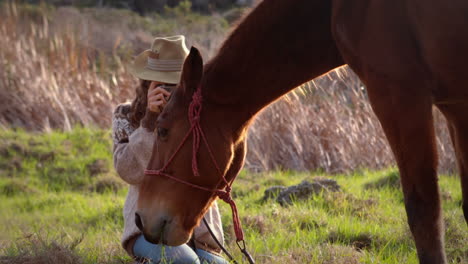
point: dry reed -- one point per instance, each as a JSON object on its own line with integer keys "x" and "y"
{"x": 36, "y": 249}
{"x": 328, "y": 125}
{"x": 50, "y": 80}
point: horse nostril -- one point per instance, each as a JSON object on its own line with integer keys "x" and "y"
{"x": 138, "y": 222}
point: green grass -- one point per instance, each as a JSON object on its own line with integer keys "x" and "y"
{"x": 369, "y": 220}
{"x": 62, "y": 201}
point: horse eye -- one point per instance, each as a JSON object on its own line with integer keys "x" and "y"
{"x": 162, "y": 132}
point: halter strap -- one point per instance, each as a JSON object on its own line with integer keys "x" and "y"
{"x": 198, "y": 135}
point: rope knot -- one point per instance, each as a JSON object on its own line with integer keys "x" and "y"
{"x": 225, "y": 196}
{"x": 197, "y": 97}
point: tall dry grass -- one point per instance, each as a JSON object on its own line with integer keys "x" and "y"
{"x": 62, "y": 67}
{"x": 70, "y": 69}
{"x": 35, "y": 249}
{"x": 48, "y": 79}
{"x": 328, "y": 125}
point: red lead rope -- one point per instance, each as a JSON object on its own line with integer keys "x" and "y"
{"x": 194, "y": 112}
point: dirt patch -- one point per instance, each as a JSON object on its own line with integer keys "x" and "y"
{"x": 97, "y": 167}
{"x": 256, "y": 223}
{"x": 310, "y": 225}
{"x": 4, "y": 151}
{"x": 34, "y": 250}
{"x": 44, "y": 157}
{"x": 58, "y": 170}
{"x": 12, "y": 164}
{"x": 358, "y": 242}
{"x": 16, "y": 187}
{"x": 18, "y": 148}
{"x": 106, "y": 183}
{"x": 446, "y": 196}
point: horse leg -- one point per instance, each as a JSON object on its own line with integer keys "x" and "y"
{"x": 457, "y": 120}
{"x": 405, "y": 113}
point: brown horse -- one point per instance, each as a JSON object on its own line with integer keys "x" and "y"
{"x": 410, "y": 54}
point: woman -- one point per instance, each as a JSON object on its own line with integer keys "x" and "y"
{"x": 158, "y": 69}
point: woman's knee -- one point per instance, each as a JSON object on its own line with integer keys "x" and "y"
{"x": 208, "y": 258}
{"x": 155, "y": 253}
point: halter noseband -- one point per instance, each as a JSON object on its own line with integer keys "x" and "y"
{"x": 194, "y": 112}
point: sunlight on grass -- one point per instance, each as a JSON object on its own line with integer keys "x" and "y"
{"x": 61, "y": 198}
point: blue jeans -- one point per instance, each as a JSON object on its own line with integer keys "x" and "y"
{"x": 156, "y": 253}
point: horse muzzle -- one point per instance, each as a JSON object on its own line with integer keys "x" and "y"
{"x": 161, "y": 230}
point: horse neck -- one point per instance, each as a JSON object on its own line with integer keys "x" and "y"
{"x": 278, "y": 46}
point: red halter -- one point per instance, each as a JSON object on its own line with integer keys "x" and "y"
{"x": 194, "y": 112}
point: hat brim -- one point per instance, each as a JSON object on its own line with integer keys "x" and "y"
{"x": 139, "y": 69}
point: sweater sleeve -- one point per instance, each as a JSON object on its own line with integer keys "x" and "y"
{"x": 132, "y": 148}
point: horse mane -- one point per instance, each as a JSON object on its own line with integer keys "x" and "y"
{"x": 262, "y": 59}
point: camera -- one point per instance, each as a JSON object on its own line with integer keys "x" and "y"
{"x": 167, "y": 87}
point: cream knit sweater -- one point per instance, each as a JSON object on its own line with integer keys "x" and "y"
{"x": 132, "y": 150}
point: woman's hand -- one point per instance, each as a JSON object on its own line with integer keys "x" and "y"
{"x": 157, "y": 97}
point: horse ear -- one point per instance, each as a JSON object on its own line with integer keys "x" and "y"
{"x": 192, "y": 71}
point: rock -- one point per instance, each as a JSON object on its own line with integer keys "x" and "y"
{"x": 272, "y": 192}
{"x": 329, "y": 184}
{"x": 306, "y": 189}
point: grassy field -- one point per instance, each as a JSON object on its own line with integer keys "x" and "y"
{"x": 62, "y": 203}
{"x": 61, "y": 200}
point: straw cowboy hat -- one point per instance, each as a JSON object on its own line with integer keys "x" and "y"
{"x": 163, "y": 62}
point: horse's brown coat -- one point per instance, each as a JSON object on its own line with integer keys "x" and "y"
{"x": 410, "y": 54}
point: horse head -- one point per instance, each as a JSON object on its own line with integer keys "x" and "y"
{"x": 194, "y": 154}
